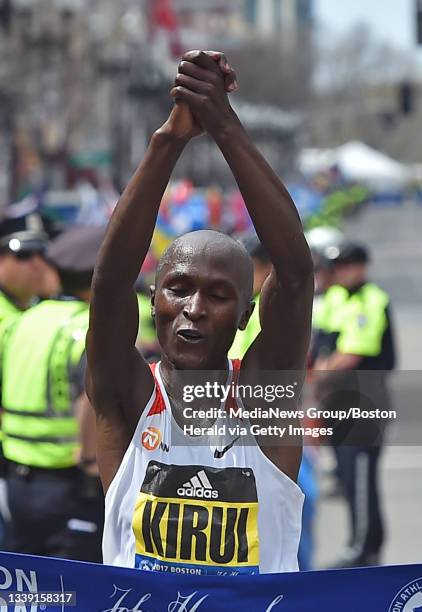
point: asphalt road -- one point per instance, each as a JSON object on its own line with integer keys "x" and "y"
{"x": 395, "y": 237}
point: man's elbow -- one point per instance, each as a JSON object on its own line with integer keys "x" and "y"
{"x": 305, "y": 268}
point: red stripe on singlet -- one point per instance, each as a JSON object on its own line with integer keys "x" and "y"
{"x": 231, "y": 400}
{"x": 159, "y": 405}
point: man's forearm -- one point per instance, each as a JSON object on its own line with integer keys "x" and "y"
{"x": 131, "y": 227}
{"x": 273, "y": 212}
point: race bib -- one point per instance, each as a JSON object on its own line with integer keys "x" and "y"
{"x": 197, "y": 520}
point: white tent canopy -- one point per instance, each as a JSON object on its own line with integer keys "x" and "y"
{"x": 357, "y": 162}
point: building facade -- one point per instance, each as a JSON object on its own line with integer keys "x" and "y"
{"x": 211, "y": 23}
{"x": 289, "y": 18}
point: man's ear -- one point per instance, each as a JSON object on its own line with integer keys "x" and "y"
{"x": 246, "y": 316}
{"x": 152, "y": 291}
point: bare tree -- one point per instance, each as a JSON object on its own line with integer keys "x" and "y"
{"x": 359, "y": 59}
{"x": 276, "y": 75}
{"x": 356, "y": 80}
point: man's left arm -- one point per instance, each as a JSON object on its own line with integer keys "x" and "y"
{"x": 286, "y": 297}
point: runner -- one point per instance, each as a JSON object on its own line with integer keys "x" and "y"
{"x": 175, "y": 502}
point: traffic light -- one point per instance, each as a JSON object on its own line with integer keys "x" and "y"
{"x": 418, "y": 6}
{"x": 406, "y": 98}
{"x": 5, "y": 14}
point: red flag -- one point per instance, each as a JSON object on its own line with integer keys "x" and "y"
{"x": 163, "y": 14}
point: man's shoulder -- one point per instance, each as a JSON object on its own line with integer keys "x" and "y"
{"x": 375, "y": 295}
{"x": 335, "y": 293}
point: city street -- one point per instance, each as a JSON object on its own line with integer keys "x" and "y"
{"x": 394, "y": 236}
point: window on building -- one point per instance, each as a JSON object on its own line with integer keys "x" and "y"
{"x": 250, "y": 11}
{"x": 304, "y": 11}
{"x": 277, "y": 13}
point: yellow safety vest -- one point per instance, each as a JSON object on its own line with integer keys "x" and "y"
{"x": 39, "y": 353}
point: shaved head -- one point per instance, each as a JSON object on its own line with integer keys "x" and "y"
{"x": 217, "y": 249}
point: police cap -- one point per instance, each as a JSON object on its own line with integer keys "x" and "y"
{"x": 22, "y": 231}
{"x": 323, "y": 237}
{"x": 75, "y": 250}
{"x": 350, "y": 252}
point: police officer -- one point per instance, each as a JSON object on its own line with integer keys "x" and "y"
{"x": 324, "y": 243}
{"x": 23, "y": 241}
{"x": 326, "y": 317}
{"x": 354, "y": 374}
{"x": 23, "y": 275}
{"x": 54, "y": 494}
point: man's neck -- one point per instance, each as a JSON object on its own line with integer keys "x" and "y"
{"x": 356, "y": 286}
{"x": 198, "y": 388}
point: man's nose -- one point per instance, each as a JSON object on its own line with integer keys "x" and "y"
{"x": 37, "y": 260}
{"x": 195, "y": 307}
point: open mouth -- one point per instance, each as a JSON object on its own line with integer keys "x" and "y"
{"x": 190, "y": 335}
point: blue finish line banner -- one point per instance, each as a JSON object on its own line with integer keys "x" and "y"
{"x": 101, "y": 588}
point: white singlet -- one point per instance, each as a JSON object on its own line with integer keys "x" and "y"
{"x": 180, "y": 507}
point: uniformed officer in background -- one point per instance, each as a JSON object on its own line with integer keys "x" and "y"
{"x": 324, "y": 243}
{"x": 354, "y": 374}
{"x": 54, "y": 493}
{"x": 23, "y": 242}
{"x": 24, "y": 275}
{"x": 326, "y": 315}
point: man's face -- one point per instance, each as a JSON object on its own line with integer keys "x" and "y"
{"x": 349, "y": 275}
{"x": 199, "y": 304}
{"x": 23, "y": 278}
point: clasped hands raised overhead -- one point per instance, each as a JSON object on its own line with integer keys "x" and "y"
{"x": 203, "y": 80}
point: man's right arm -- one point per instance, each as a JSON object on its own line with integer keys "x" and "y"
{"x": 119, "y": 382}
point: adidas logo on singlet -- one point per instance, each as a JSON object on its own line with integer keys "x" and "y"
{"x": 198, "y": 486}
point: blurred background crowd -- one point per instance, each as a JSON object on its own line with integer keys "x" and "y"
{"x": 333, "y": 98}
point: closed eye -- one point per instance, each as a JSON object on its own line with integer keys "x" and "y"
{"x": 179, "y": 291}
{"x": 221, "y": 298}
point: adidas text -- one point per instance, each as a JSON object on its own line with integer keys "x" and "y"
{"x": 203, "y": 493}
{"x": 198, "y": 486}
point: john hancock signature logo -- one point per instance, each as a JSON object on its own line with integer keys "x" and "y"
{"x": 188, "y": 603}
